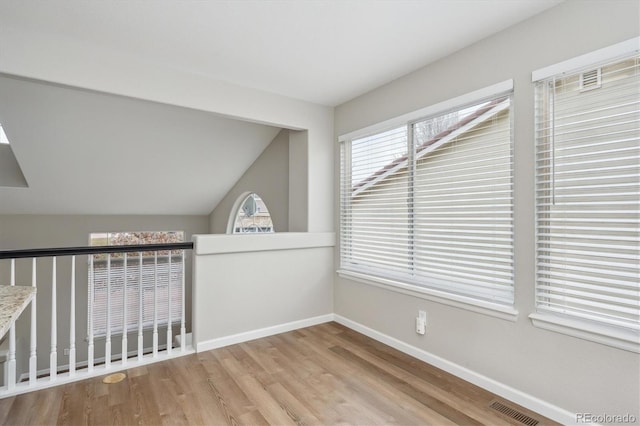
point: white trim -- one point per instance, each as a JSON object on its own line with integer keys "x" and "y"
{"x": 605, "y": 54}
{"x": 462, "y": 302}
{"x": 82, "y": 374}
{"x": 609, "y": 336}
{"x": 234, "y": 211}
{"x": 467, "y": 98}
{"x": 246, "y": 336}
{"x": 241, "y": 243}
{"x": 529, "y": 401}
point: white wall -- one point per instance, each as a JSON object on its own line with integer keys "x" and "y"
{"x": 46, "y": 231}
{"x": 573, "y": 374}
{"x": 250, "y": 285}
{"x": 268, "y": 176}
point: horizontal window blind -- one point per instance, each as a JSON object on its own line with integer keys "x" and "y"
{"x": 139, "y": 280}
{"x": 374, "y": 220}
{"x": 148, "y": 280}
{"x": 431, "y": 203}
{"x": 588, "y": 194}
{"x": 463, "y": 202}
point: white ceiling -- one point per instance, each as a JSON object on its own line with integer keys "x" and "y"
{"x": 324, "y": 51}
{"x": 85, "y": 152}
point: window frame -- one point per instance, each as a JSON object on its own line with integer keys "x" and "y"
{"x": 502, "y": 311}
{"x": 235, "y": 211}
{"x": 585, "y": 329}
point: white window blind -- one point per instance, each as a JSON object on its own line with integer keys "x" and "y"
{"x": 588, "y": 195}
{"x": 140, "y": 283}
{"x": 430, "y": 203}
{"x": 144, "y": 274}
{"x": 375, "y": 225}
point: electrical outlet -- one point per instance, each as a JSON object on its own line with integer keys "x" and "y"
{"x": 66, "y": 351}
{"x": 420, "y": 326}
{"x": 421, "y": 322}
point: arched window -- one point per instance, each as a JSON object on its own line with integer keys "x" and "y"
{"x": 252, "y": 216}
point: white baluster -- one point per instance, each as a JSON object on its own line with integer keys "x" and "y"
{"x": 11, "y": 365}
{"x": 169, "y": 309}
{"x": 140, "y": 336}
{"x": 33, "y": 358}
{"x": 183, "y": 342}
{"x": 107, "y": 344}
{"x": 53, "y": 356}
{"x": 124, "y": 313}
{"x": 155, "y": 304}
{"x": 90, "y": 309}
{"x": 72, "y": 320}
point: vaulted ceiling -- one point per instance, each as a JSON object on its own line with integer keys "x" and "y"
{"x": 93, "y": 153}
{"x": 86, "y": 152}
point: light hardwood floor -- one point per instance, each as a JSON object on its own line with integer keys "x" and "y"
{"x": 326, "y": 374}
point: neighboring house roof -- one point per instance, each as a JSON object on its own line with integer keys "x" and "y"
{"x": 479, "y": 116}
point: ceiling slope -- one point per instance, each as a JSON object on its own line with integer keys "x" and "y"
{"x": 84, "y": 152}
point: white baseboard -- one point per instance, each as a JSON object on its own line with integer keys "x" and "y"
{"x": 532, "y": 403}
{"x": 262, "y": 332}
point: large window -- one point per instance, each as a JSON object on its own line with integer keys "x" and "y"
{"x": 139, "y": 275}
{"x": 588, "y": 198}
{"x": 429, "y": 203}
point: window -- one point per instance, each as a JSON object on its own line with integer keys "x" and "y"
{"x": 139, "y": 271}
{"x": 3, "y": 137}
{"x": 252, "y": 216}
{"x": 429, "y": 204}
{"x": 588, "y": 200}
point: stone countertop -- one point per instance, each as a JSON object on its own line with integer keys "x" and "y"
{"x": 13, "y": 300}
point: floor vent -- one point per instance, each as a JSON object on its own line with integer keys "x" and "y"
{"x": 514, "y": 414}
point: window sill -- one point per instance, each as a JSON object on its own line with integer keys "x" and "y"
{"x": 466, "y": 303}
{"x": 610, "y": 336}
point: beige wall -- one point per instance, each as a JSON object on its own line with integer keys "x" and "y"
{"x": 10, "y": 172}
{"x": 268, "y": 177}
{"x": 570, "y": 373}
{"x": 36, "y": 231}
{"x": 301, "y": 219}
{"x": 251, "y": 285}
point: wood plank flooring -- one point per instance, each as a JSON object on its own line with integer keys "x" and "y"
{"x": 321, "y": 375}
